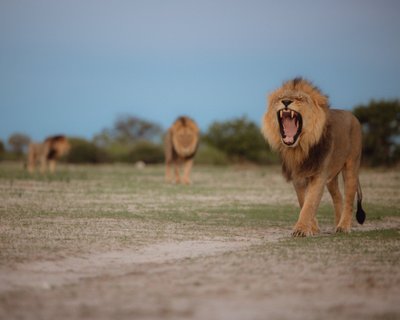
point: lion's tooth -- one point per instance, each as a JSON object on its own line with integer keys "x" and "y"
{"x": 281, "y": 114}
{"x": 292, "y": 114}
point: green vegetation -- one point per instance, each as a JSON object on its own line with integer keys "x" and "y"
{"x": 83, "y": 151}
{"x": 146, "y": 151}
{"x": 381, "y": 128}
{"x": 240, "y": 139}
{"x": 132, "y": 139}
{"x": 233, "y": 141}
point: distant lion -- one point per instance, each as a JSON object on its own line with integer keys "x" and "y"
{"x": 315, "y": 143}
{"x": 47, "y": 153}
{"x": 180, "y": 146}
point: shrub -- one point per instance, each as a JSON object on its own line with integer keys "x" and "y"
{"x": 240, "y": 139}
{"x": 147, "y": 152}
{"x": 210, "y": 155}
{"x": 83, "y": 151}
{"x": 381, "y": 131}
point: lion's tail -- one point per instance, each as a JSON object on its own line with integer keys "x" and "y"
{"x": 360, "y": 215}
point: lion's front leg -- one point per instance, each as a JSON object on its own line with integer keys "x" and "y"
{"x": 176, "y": 170}
{"x": 186, "y": 171}
{"x": 307, "y": 224}
{"x": 167, "y": 171}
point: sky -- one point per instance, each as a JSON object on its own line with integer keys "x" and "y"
{"x": 75, "y": 66}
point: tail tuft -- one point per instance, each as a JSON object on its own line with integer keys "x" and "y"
{"x": 360, "y": 215}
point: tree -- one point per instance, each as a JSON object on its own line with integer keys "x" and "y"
{"x": 240, "y": 139}
{"x": 18, "y": 142}
{"x": 103, "y": 139}
{"x": 381, "y": 131}
{"x": 130, "y": 129}
{"x": 127, "y": 132}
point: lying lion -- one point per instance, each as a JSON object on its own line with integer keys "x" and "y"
{"x": 180, "y": 146}
{"x": 47, "y": 153}
{"x": 315, "y": 143}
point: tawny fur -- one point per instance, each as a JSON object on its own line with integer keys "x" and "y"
{"x": 329, "y": 144}
{"x": 180, "y": 146}
{"x": 47, "y": 153}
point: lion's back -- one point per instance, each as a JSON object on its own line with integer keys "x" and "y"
{"x": 344, "y": 123}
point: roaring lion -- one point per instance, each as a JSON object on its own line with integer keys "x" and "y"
{"x": 180, "y": 146}
{"x": 315, "y": 144}
{"x": 47, "y": 153}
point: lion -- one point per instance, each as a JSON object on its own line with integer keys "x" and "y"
{"x": 315, "y": 144}
{"x": 46, "y": 153}
{"x": 180, "y": 146}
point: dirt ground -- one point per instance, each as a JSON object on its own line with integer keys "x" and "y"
{"x": 188, "y": 271}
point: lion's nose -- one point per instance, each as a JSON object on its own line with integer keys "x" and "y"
{"x": 286, "y": 102}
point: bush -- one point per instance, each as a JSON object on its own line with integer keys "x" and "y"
{"x": 83, "y": 151}
{"x": 147, "y": 152}
{"x": 240, "y": 139}
{"x": 381, "y": 131}
{"x": 118, "y": 152}
{"x": 210, "y": 155}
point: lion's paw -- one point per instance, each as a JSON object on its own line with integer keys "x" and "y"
{"x": 341, "y": 229}
{"x": 301, "y": 230}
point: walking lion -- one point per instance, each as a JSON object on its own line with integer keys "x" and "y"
{"x": 180, "y": 146}
{"x": 316, "y": 144}
{"x": 47, "y": 153}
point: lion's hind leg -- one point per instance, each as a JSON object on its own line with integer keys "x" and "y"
{"x": 350, "y": 176}
{"x": 333, "y": 188}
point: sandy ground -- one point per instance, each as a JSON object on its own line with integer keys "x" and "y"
{"x": 213, "y": 278}
{"x": 190, "y": 274}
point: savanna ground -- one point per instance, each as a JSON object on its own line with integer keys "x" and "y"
{"x": 116, "y": 242}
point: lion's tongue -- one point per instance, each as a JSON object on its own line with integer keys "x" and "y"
{"x": 290, "y": 129}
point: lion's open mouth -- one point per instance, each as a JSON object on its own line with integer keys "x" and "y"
{"x": 290, "y": 124}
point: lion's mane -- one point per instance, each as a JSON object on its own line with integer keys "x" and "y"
{"x": 314, "y": 140}
{"x": 184, "y": 135}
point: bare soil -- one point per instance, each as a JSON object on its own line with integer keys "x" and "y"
{"x": 188, "y": 271}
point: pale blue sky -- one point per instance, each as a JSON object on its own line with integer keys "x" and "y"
{"x": 74, "y": 66}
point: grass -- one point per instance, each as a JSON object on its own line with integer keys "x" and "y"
{"x": 107, "y": 206}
